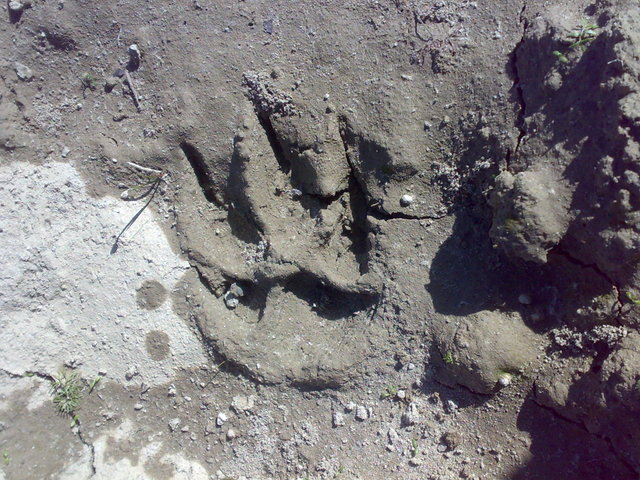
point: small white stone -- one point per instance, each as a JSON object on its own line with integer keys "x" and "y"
{"x": 65, "y": 152}
{"x": 350, "y": 407}
{"x": 184, "y": 429}
{"x": 338, "y": 419}
{"x": 505, "y": 379}
{"x": 138, "y": 406}
{"x": 172, "y": 391}
{"x": 221, "y": 419}
{"x": 415, "y": 461}
{"x": 361, "y": 413}
{"x": 231, "y": 434}
{"x": 173, "y": 424}
{"x": 134, "y": 53}
{"x": 406, "y": 200}
{"x": 401, "y": 395}
{"x": 15, "y": 6}
{"x": 23, "y": 72}
{"x": 242, "y": 403}
{"x": 411, "y": 415}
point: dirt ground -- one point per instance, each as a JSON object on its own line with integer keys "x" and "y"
{"x": 366, "y": 239}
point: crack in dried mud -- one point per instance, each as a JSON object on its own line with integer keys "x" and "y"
{"x": 580, "y": 425}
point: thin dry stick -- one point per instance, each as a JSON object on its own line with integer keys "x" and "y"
{"x": 136, "y": 100}
{"x": 144, "y": 169}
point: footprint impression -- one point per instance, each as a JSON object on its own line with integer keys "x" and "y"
{"x": 289, "y": 293}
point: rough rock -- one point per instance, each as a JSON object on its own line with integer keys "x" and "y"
{"x": 477, "y": 350}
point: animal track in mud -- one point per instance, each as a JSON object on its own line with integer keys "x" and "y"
{"x": 299, "y": 252}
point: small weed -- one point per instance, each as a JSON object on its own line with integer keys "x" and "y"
{"x": 390, "y": 392}
{"x": 512, "y": 225}
{"x": 6, "y": 459}
{"x": 74, "y": 421}
{"x": 448, "y": 358}
{"x": 579, "y": 37}
{"x": 88, "y": 81}
{"x": 340, "y": 471}
{"x": 93, "y": 384}
{"x": 633, "y": 298}
{"x": 28, "y": 374}
{"x": 66, "y": 389}
{"x": 414, "y": 448}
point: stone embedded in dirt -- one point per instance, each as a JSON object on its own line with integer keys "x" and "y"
{"x": 110, "y": 83}
{"x": 411, "y": 415}
{"x": 362, "y": 413}
{"x": 242, "y": 403}
{"x": 505, "y": 379}
{"x": 231, "y": 434}
{"x": 23, "y": 72}
{"x": 210, "y": 427}
{"x": 15, "y": 6}
{"x": 233, "y": 295}
{"x": 174, "y": 423}
{"x": 350, "y": 407}
{"x": 530, "y": 216}
{"x": 221, "y": 419}
{"x": 338, "y": 419}
{"x": 478, "y": 350}
{"x": 406, "y": 200}
{"x": 451, "y": 440}
{"x": 134, "y": 57}
{"x": 131, "y": 372}
{"x": 138, "y": 406}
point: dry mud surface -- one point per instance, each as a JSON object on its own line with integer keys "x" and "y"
{"x": 320, "y": 240}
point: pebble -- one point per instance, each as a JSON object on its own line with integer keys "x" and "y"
{"x": 451, "y": 440}
{"x": 338, "y": 419}
{"x": 210, "y": 427}
{"x": 406, "y": 200}
{"x": 134, "y": 56}
{"x": 131, "y": 372}
{"x": 451, "y": 406}
{"x": 24, "y": 73}
{"x": 221, "y": 419}
{"x": 65, "y": 152}
{"x": 172, "y": 391}
{"x": 233, "y": 295}
{"x": 350, "y": 407}
{"x": 173, "y": 424}
{"x": 415, "y": 461}
{"x": 411, "y": 415}
{"x": 505, "y": 379}
{"x": 362, "y": 413}
{"x": 394, "y": 440}
{"x": 138, "y": 406}
{"x": 110, "y": 83}
{"x": 185, "y": 429}
{"x": 231, "y": 434}
{"x": 15, "y": 6}
{"x": 242, "y": 403}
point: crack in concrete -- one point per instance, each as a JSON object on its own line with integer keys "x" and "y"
{"x": 77, "y": 431}
{"x": 89, "y": 445}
